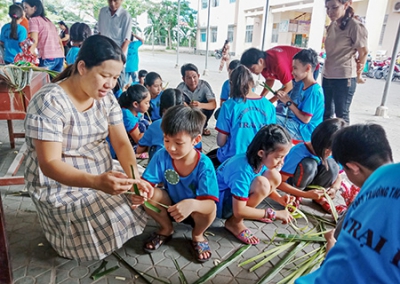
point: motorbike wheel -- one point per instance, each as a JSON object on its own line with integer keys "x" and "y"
{"x": 370, "y": 73}
{"x": 378, "y": 75}
{"x": 218, "y": 56}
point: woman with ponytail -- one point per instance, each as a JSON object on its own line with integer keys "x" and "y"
{"x": 346, "y": 53}
{"x": 12, "y": 34}
{"x": 77, "y": 190}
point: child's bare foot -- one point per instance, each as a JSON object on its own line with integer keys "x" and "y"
{"x": 240, "y": 231}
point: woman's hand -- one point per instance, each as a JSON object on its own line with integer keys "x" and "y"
{"x": 181, "y": 210}
{"x": 113, "y": 182}
{"x": 146, "y": 192}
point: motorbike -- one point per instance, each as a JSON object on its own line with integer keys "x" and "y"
{"x": 380, "y": 71}
{"x": 396, "y": 73}
{"x": 218, "y": 53}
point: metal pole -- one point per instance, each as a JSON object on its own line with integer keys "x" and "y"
{"x": 178, "y": 38}
{"x": 265, "y": 23}
{"x": 152, "y": 39}
{"x": 207, "y": 39}
{"x": 382, "y": 109}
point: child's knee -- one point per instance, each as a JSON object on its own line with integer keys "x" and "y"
{"x": 274, "y": 178}
{"x": 261, "y": 185}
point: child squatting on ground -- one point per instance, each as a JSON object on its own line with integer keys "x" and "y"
{"x": 245, "y": 180}
{"x": 310, "y": 163}
{"x": 190, "y": 184}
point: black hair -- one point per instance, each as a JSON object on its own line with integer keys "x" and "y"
{"x": 225, "y": 43}
{"x": 135, "y": 93}
{"x": 307, "y": 56}
{"x": 251, "y": 56}
{"x": 365, "y": 144}
{"x": 39, "y": 9}
{"x": 188, "y": 67}
{"x": 142, "y": 73}
{"x": 269, "y": 138}
{"x": 322, "y": 136}
{"x": 62, "y": 23}
{"x": 182, "y": 118}
{"x": 348, "y": 14}
{"x": 79, "y": 32}
{"x": 15, "y": 12}
{"x": 233, "y": 64}
{"x": 94, "y": 51}
{"x": 151, "y": 78}
{"x": 169, "y": 98}
{"x": 241, "y": 81}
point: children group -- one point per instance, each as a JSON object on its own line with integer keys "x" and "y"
{"x": 255, "y": 153}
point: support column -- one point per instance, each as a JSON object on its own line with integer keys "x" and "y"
{"x": 317, "y": 26}
{"x": 374, "y": 18}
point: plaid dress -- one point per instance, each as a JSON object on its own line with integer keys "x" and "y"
{"x": 80, "y": 223}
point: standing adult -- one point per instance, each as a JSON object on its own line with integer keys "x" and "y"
{"x": 45, "y": 36}
{"x": 225, "y": 59}
{"x": 276, "y": 64}
{"x": 116, "y": 23}
{"x": 64, "y": 35}
{"x": 69, "y": 173}
{"x": 132, "y": 59}
{"x": 346, "y": 53}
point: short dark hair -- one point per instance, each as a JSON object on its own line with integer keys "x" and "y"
{"x": 188, "y": 67}
{"x": 151, "y": 78}
{"x": 233, "y": 64}
{"x": 365, "y": 144}
{"x": 269, "y": 139}
{"x": 182, "y": 118}
{"x": 251, "y": 56}
{"x": 79, "y": 32}
{"x": 142, "y": 73}
{"x": 169, "y": 98}
{"x": 94, "y": 51}
{"x": 135, "y": 93}
{"x": 307, "y": 56}
{"x": 241, "y": 81}
{"x": 322, "y": 136}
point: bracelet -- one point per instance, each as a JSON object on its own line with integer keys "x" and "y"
{"x": 270, "y": 214}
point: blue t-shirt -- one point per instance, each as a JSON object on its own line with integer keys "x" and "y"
{"x": 201, "y": 183}
{"x": 226, "y": 88}
{"x": 132, "y": 59}
{"x": 240, "y": 121}
{"x": 11, "y": 46}
{"x": 72, "y": 54}
{"x": 234, "y": 178}
{"x": 368, "y": 247}
{"x": 296, "y": 154}
{"x": 154, "y": 137}
{"x": 155, "y": 107}
{"x": 312, "y": 104}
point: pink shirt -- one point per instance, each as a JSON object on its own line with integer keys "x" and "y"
{"x": 48, "y": 40}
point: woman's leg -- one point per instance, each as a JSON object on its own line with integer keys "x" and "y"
{"x": 343, "y": 96}
{"x": 328, "y": 87}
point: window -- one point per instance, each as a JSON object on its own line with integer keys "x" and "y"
{"x": 275, "y": 33}
{"x": 204, "y": 4}
{"x": 249, "y": 33}
{"x": 232, "y": 1}
{"x": 214, "y": 3}
{"x": 203, "y": 35}
{"x": 231, "y": 29}
{"x": 214, "y": 32}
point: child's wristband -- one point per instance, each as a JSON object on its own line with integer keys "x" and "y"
{"x": 270, "y": 214}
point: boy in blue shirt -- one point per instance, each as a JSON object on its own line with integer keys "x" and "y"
{"x": 309, "y": 107}
{"x": 132, "y": 58}
{"x": 190, "y": 184}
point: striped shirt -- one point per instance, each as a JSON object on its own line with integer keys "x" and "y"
{"x": 48, "y": 40}
{"x": 80, "y": 223}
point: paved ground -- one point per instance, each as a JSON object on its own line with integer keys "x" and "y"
{"x": 34, "y": 261}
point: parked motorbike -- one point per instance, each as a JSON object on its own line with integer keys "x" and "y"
{"x": 374, "y": 67}
{"x": 382, "y": 69}
{"x": 218, "y": 53}
{"x": 396, "y": 73}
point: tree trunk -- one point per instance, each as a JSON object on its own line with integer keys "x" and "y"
{"x": 169, "y": 39}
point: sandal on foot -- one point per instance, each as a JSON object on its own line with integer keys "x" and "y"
{"x": 206, "y": 132}
{"x": 156, "y": 240}
{"x": 265, "y": 220}
{"x": 142, "y": 156}
{"x": 325, "y": 205}
{"x": 245, "y": 236}
{"x": 199, "y": 248}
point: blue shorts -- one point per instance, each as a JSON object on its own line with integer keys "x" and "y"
{"x": 291, "y": 125}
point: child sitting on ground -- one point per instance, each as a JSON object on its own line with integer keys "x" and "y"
{"x": 310, "y": 163}
{"x": 309, "y": 111}
{"x": 153, "y": 139}
{"x": 226, "y": 86}
{"x": 361, "y": 149}
{"x": 240, "y": 117}
{"x": 153, "y": 83}
{"x": 134, "y": 103}
{"x": 189, "y": 179}
{"x": 78, "y": 33}
{"x": 245, "y": 180}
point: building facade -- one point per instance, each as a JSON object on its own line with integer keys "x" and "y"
{"x": 289, "y": 22}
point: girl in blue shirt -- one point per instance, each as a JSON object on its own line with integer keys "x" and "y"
{"x": 310, "y": 163}
{"x": 12, "y": 34}
{"x": 245, "y": 180}
{"x": 240, "y": 117}
{"x": 78, "y": 33}
{"x": 153, "y": 83}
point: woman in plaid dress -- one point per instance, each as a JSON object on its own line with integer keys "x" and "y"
{"x": 69, "y": 171}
